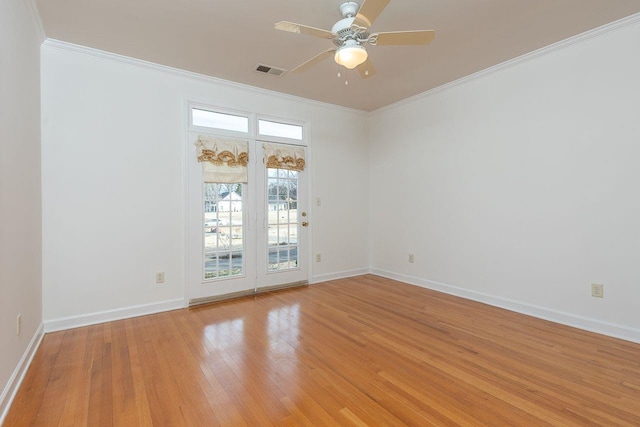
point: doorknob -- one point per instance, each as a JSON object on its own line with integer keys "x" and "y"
{"x": 305, "y": 223}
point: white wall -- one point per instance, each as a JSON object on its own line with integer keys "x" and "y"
{"x": 113, "y": 181}
{"x": 20, "y": 209}
{"x": 520, "y": 187}
{"x": 517, "y": 187}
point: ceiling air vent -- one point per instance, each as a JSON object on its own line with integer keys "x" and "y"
{"x": 267, "y": 69}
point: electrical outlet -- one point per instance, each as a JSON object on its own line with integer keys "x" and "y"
{"x": 318, "y": 258}
{"x": 160, "y": 277}
{"x": 597, "y": 290}
{"x": 411, "y": 259}
{"x": 19, "y": 324}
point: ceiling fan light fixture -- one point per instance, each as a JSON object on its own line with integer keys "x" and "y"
{"x": 351, "y": 55}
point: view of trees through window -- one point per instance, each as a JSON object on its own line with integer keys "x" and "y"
{"x": 223, "y": 230}
{"x": 223, "y": 225}
{"x": 282, "y": 194}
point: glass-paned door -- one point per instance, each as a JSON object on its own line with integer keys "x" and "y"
{"x": 245, "y": 236}
{"x": 221, "y": 255}
{"x": 282, "y": 244}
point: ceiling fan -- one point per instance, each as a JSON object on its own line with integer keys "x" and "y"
{"x": 351, "y": 33}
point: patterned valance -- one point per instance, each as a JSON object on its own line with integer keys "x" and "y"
{"x": 223, "y": 159}
{"x": 282, "y": 156}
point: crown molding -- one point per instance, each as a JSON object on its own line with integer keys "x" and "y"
{"x": 596, "y": 32}
{"x": 580, "y": 38}
{"x": 84, "y": 50}
{"x": 32, "y": 10}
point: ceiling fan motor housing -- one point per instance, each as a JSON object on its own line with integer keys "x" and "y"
{"x": 349, "y": 9}
{"x": 345, "y": 29}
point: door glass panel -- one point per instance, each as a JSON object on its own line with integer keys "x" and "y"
{"x": 223, "y": 230}
{"x": 282, "y": 192}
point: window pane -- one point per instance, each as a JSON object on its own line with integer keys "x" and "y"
{"x": 283, "y": 235}
{"x": 273, "y": 260}
{"x": 293, "y": 257}
{"x": 282, "y": 219}
{"x": 273, "y": 236}
{"x": 283, "y": 130}
{"x": 215, "y": 120}
{"x": 223, "y": 230}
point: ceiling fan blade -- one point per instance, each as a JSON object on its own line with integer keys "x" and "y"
{"x": 395, "y": 38}
{"x": 313, "y": 61}
{"x": 366, "y": 69}
{"x": 370, "y": 10}
{"x": 292, "y": 27}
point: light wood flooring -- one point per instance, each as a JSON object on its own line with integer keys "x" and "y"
{"x": 359, "y": 351}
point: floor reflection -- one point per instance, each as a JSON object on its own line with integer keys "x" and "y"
{"x": 283, "y": 334}
{"x": 283, "y": 328}
{"x": 225, "y": 335}
{"x": 259, "y": 349}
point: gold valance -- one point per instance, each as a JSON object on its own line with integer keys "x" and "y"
{"x": 281, "y": 156}
{"x": 223, "y": 159}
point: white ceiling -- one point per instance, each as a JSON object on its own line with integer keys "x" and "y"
{"x": 227, "y": 38}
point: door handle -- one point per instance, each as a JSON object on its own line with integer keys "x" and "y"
{"x": 305, "y": 223}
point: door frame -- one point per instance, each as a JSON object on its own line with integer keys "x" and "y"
{"x": 255, "y": 139}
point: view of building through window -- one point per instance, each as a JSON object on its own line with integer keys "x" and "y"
{"x": 223, "y": 230}
{"x": 237, "y": 228}
{"x": 223, "y": 225}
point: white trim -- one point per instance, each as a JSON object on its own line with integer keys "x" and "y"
{"x": 564, "y": 318}
{"x": 310, "y": 206}
{"x": 339, "y": 275}
{"x": 596, "y": 32}
{"x": 13, "y": 385}
{"x": 32, "y": 9}
{"x": 57, "y": 44}
{"x": 111, "y": 315}
{"x": 186, "y": 117}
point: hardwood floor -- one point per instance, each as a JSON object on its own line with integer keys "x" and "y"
{"x": 360, "y": 351}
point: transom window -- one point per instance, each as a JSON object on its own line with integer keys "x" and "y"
{"x": 215, "y": 120}
{"x": 281, "y": 130}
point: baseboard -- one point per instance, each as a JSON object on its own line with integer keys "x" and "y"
{"x": 196, "y": 302}
{"x": 111, "y": 315}
{"x": 13, "y": 385}
{"x": 568, "y": 319}
{"x": 339, "y": 275}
